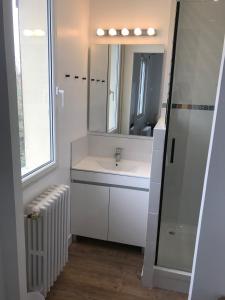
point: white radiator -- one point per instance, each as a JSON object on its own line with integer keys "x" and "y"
{"x": 47, "y": 228}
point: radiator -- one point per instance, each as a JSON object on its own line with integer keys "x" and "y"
{"x": 47, "y": 228}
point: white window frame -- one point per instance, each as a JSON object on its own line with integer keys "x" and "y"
{"x": 117, "y": 96}
{"x": 141, "y": 89}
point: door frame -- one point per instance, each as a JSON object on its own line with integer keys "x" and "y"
{"x": 168, "y": 112}
{"x": 12, "y": 240}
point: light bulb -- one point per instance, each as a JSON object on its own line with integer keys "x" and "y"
{"x": 100, "y": 32}
{"x": 151, "y": 31}
{"x": 137, "y": 31}
{"x": 112, "y": 32}
{"x": 125, "y": 32}
{"x": 39, "y": 32}
{"x": 28, "y": 32}
{"x": 34, "y": 33}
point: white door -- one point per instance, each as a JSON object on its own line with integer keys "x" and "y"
{"x": 89, "y": 210}
{"x": 128, "y": 213}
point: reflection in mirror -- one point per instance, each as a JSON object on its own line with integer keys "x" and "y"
{"x": 125, "y": 88}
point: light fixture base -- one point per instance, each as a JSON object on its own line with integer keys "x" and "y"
{"x": 126, "y": 32}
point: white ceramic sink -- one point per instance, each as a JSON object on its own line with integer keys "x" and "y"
{"x": 122, "y": 166}
{"x": 109, "y": 165}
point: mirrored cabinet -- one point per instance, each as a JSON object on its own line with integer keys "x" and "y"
{"x": 124, "y": 88}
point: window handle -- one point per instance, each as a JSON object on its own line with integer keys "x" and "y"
{"x": 172, "y": 151}
{"x": 113, "y": 94}
{"x": 60, "y": 92}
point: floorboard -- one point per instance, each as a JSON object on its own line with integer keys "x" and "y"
{"x": 105, "y": 271}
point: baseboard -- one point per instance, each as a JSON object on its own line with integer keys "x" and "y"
{"x": 172, "y": 280}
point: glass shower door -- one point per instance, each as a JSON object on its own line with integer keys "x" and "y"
{"x": 199, "y": 44}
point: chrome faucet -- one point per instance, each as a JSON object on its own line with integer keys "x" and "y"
{"x": 118, "y": 154}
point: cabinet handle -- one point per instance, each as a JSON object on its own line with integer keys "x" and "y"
{"x": 172, "y": 151}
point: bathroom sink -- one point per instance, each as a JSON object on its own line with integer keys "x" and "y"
{"x": 121, "y": 166}
{"x": 105, "y": 170}
{"x": 109, "y": 165}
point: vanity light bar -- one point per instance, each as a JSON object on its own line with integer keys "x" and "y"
{"x": 34, "y": 33}
{"x": 126, "y": 32}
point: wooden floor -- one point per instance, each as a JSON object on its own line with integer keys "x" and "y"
{"x": 105, "y": 271}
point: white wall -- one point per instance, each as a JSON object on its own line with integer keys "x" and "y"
{"x": 154, "y": 202}
{"x": 71, "y": 38}
{"x": 133, "y": 148}
{"x": 132, "y": 13}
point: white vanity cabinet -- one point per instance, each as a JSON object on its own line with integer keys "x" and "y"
{"x": 89, "y": 210}
{"x": 109, "y": 213}
{"x": 128, "y": 214}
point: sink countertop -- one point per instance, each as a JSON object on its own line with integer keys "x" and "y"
{"x": 108, "y": 165}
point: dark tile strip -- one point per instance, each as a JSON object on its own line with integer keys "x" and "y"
{"x": 193, "y": 106}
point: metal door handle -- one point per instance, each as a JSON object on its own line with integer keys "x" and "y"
{"x": 172, "y": 150}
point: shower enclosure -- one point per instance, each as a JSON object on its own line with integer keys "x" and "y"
{"x": 198, "y": 51}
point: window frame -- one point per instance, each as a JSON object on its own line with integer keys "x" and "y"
{"x": 118, "y": 67}
{"x": 142, "y": 83}
{"x": 49, "y": 166}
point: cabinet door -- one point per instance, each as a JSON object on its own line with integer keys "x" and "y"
{"x": 89, "y": 210}
{"x": 128, "y": 213}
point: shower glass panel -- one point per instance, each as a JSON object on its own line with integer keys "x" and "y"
{"x": 199, "y": 44}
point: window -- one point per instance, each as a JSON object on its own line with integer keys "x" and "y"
{"x": 114, "y": 85}
{"x": 33, "y": 57}
{"x": 141, "y": 90}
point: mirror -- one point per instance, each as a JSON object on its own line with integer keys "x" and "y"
{"x": 124, "y": 88}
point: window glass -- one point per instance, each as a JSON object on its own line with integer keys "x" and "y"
{"x": 141, "y": 91}
{"x": 33, "y": 57}
{"x": 114, "y": 83}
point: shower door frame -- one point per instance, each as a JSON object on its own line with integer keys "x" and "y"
{"x": 168, "y": 112}
{"x": 168, "y": 278}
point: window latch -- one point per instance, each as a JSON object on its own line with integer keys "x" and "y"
{"x": 60, "y": 92}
